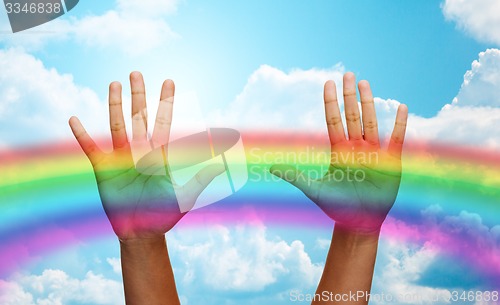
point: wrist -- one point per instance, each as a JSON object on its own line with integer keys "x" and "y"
{"x": 367, "y": 229}
{"x": 143, "y": 250}
{"x": 143, "y": 242}
{"x": 356, "y": 236}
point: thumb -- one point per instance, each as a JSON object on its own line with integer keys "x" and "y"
{"x": 295, "y": 177}
{"x": 194, "y": 187}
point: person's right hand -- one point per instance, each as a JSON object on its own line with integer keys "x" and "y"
{"x": 362, "y": 182}
{"x": 139, "y": 205}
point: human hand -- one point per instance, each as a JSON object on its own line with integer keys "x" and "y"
{"x": 139, "y": 205}
{"x": 363, "y": 179}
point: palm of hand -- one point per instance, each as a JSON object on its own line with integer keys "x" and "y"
{"x": 136, "y": 204}
{"x": 361, "y": 193}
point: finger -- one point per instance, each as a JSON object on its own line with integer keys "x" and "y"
{"x": 139, "y": 110}
{"x": 116, "y": 121}
{"x": 398, "y": 134}
{"x": 369, "y": 116}
{"x": 86, "y": 143}
{"x": 295, "y": 177}
{"x": 351, "y": 107}
{"x": 163, "y": 121}
{"x": 332, "y": 113}
{"x": 194, "y": 187}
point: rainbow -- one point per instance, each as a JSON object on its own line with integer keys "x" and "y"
{"x": 49, "y": 200}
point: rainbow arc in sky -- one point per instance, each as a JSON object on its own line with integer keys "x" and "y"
{"x": 448, "y": 199}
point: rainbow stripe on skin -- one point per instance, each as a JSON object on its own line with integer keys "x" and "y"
{"x": 48, "y": 198}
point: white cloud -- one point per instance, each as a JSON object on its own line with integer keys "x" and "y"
{"x": 474, "y": 126}
{"x": 116, "y": 264}
{"x": 481, "y": 82}
{"x": 36, "y": 38}
{"x": 132, "y": 27}
{"x": 36, "y": 106}
{"x": 406, "y": 264}
{"x": 13, "y": 294}
{"x": 123, "y": 30}
{"x": 479, "y": 18}
{"x": 463, "y": 241}
{"x": 472, "y": 117}
{"x": 39, "y": 101}
{"x": 466, "y": 235}
{"x": 55, "y": 287}
{"x": 322, "y": 243}
{"x": 273, "y": 99}
{"x": 242, "y": 258}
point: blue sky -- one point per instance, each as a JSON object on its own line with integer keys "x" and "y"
{"x": 390, "y": 43}
{"x": 252, "y": 65}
